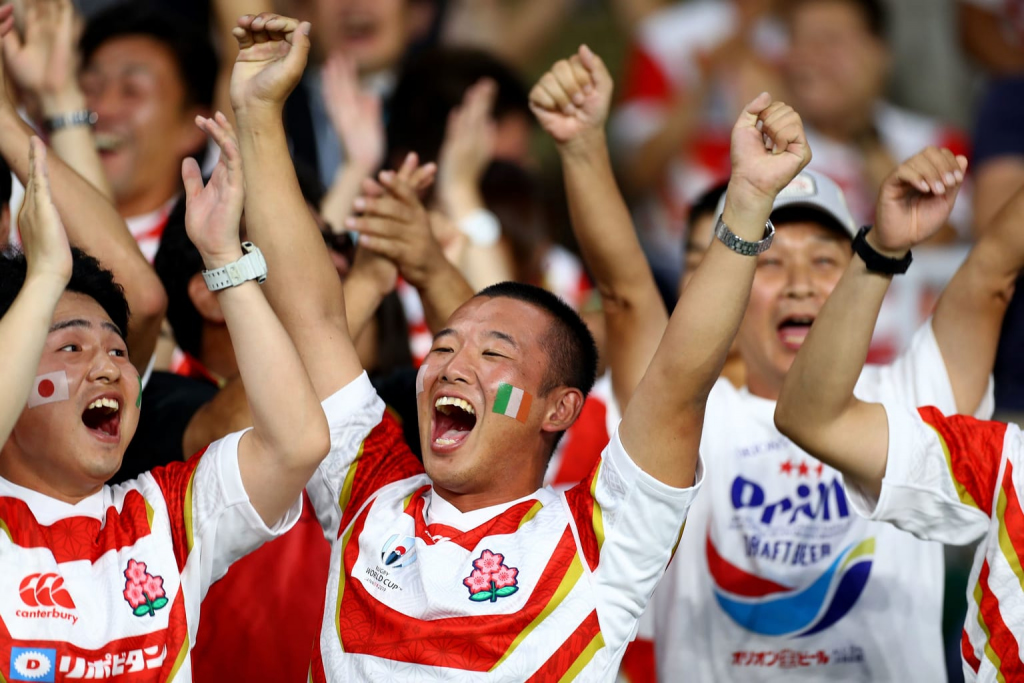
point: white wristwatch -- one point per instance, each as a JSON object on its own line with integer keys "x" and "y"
{"x": 252, "y": 266}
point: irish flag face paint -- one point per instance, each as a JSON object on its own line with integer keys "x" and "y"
{"x": 49, "y": 388}
{"x": 512, "y": 402}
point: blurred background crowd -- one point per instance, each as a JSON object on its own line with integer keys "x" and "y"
{"x": 874, "y": 80}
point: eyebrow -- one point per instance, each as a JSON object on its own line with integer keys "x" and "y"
{"x": 444, "y": 333}
{"x": 503, "y": 337}
{"x": 81, "y": 322}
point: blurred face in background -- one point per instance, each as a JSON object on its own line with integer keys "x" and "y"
{"x": 375, "y": 33}
{"x": 836, "y": 68}
{"x": 145, "y": 127}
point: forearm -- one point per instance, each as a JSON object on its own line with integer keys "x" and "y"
{"x": 818, "y": 391}
{"x": 93, "y": 225}
{"x": 363, "y": 297}
{"x": 633, "y": 311}
{"x": 75, "y": 145}
{"x": 305, "y": 289}
{"x": 281, "y": 399}
{"x": 23, "y": 331}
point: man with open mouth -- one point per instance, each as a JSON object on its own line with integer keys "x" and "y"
{"x": 100, "y": 581}
{"x": 464, "y": 567}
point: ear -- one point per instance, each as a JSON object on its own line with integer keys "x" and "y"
{"x": 562, "y": 406}
{"x": 204, "y": 300}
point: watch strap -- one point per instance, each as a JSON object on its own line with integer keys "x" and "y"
{"x": 82, "y": 117}
{"x": 252, "y": 266}
{"x": 876, "y": 262}
{"x": 740, "y": 245}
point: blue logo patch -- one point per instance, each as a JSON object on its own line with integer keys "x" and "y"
{"x": 33, "y": 664}
{"x": 398, "y": 551}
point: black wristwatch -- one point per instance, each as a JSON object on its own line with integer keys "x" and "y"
{"x": 879, "y": 263}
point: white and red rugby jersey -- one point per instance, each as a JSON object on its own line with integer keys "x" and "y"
{"x": 957, "y": 480}
{"x": 110, "y": 587}
{"x": 547, "y": 587}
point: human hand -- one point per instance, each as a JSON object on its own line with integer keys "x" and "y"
{"x": 768, "y": 150}
{"x": 467, "y": 150}
{"x": 272, "y": 53}
{"x": 43, "y": 61}
{"x": 355, "y": 114}
{"x": 916, "y": 199}
{"x": 394, "y": 223}
{"x": 213, "y": 212}
{"x": 571, "y": 101}
{"x": 42, "y": 232}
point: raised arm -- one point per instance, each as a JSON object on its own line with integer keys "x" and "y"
{"x": 305, "y": 289}
{"x": 661, "y": 427}
{"x": 571, "y": 102}
{"x": 94, "y": 226}
{"x": 24, "y": 326}
{"x": 969, "y": 315}
{"x": 817, "y": 408}
{"x": 289, "y": 437}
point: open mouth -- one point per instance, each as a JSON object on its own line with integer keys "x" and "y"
{"x": 103, "y": 419}
{"x": 454, "y": 419}
{"x": 793, "y": 331}
{"x": 107, "y": 143}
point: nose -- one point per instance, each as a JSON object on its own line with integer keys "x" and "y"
{"x": 104, "y": 99}
{"x": 799, "y": 283}
{"x": 457, "y": 368}
{"x": 103, "y": 368}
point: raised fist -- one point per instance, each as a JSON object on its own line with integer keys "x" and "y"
{"x": 916, "y": 199}
{"x": 272, "y": 52}
{"x": 572, "y": 99}
{"x": 768, "y": 150}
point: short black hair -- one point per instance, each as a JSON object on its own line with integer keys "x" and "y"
{"x": 6, "y": 184}
{"x": 572, "y": 350}
{"x": 88, "y": 277}
{"x": 177, "y": 261}
{"x": 191, "y": 47}
{"x": 873, "y": 12}
{"x": 434, "y": 82}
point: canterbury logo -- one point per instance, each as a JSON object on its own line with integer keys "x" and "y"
{"x": 45, "y": 590}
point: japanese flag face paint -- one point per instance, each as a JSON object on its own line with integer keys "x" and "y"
{"x": 49, "y": 388}
{"x": 512, "y": 402}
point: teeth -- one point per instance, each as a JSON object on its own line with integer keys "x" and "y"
{"x": 104, "y": 403}
{"x": 457, "y": 402}
{"x": 441, "y": 441}
{"x": 107, "y": 141}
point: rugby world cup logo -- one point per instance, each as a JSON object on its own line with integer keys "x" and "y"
{"x": 398, "y": 551}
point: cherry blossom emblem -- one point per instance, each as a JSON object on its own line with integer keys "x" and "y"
{"x": 143, "y": 591}
{"x": 490, "y": 578}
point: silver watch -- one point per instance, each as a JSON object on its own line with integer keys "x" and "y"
{"x": 252, "y": 266}
{"x": 740, "y": 245}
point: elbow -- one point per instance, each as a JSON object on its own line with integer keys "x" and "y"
{"x": 788, "y": 418}
{"x": 315, "y": 443}
{"x": 149, "y": 302}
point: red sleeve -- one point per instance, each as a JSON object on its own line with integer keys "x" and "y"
{"x": 974, "y": 450}
{"x": 175, "y": 481}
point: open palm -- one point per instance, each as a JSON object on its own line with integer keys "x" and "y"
{"x": 213, "y": 212}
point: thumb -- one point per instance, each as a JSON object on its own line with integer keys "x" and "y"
{"x": 595, "y": 66}
{"x": 192, "y": 177}
{"x": 754, "y": 108}
{"x": 299, "y": 53}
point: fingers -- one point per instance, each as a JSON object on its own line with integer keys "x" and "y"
{"x": 223, "y": 133}
{"x": 7, "y": 20}
{"x": 595, "y": 66}
{"x": 555, "y": 94}
{"x": 423, "y": 177}
{"x": 566, "y": 79}
{"x": 371, "y": 188}
{"x": 933, "y": 171}
{"x": 781, "y": 125}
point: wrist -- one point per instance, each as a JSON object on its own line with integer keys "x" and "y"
{"x": 888, "y": 251}
{"x": 50, "y": 283}
{"x": 60, "y": 103}
{"x": 460, "y": 199}
{"x": 745, "y": 202}
{"x": 221, "y": 257}
{"x": 584, "y": 146}
{"x": 257, "y": 115}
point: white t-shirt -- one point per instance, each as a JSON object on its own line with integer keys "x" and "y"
{"x": 783, "y": 579}
{"x": 111, "y": 586}
{"x": 547, "y": 586}
{"x": 956, "y": 480}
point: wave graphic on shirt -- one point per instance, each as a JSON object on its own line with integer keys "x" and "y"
{"x": 772, "y": 609}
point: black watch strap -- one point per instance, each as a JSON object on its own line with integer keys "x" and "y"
{"x": 879, "y": 263}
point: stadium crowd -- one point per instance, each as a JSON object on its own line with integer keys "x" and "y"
{"x": 511, "y": 340}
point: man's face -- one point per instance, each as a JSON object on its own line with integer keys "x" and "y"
{"x": 488, "y": 342}
{"x": 835, "y": 65}
{"x": 73, "y": 446}
{"x": 375, "y": 33}
{"x": 145, "y": 129}
{"x": 791, "y": 283}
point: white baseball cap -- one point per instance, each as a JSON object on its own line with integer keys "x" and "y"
{"x": 812, "y": 190}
